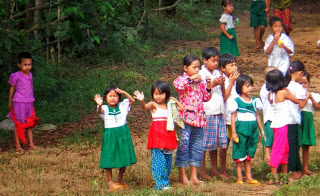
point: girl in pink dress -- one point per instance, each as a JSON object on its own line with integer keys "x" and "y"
{"x": 21, "y": 101}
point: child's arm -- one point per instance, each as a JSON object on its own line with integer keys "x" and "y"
{"x": 314, "y": 102}
{"x": 290, "y": 96}
{"x": 224, "y": 31}
{"x": 99, "y": 101}
{"x": 140, "y": 96}
{"x": 274, "y": 41}
{"x": 131, "y": 99}
{"x": 11, "y": 92}
{"x": 232, "y": 79}
{"x": 179, "y": 104}
{"x": 233, "y": 126}
{"x": 267, "y": 2}
{"x": 260, "y": 126}
{"x": 303, "y": 102}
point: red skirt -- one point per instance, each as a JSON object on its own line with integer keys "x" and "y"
{"x": 159, "y": 137}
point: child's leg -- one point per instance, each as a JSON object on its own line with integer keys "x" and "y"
{"x": 31, "y": 145}
{"x": 274, "y": 173}
{"x": 213, "y": 161}
{"x": 256, "y": 32}
{"x": 195, "y": 153}
{"x": 167, "y": 171}
{"x": 305, "y": 157}
{"x": 203, "y": 172}
{"x": 267, "y": 151}
{"x": 193, "y": 175}
{"x": 239, "y": 171}
{"x": 223, "y": 162}
{"x": 183, "y": 176}
{"x": 261, "y": 33}
{"x": 109, "y": 178}
{"x": 247, "y": 165}
{"x": 158, "y": 166}
{"x": 122, "y": 170}
{"x": 16, "y": 138}
{"x": 284, "y": 168}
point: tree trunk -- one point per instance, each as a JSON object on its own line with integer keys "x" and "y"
{"x": 37, "y": 16}
{"x": 30, "y": 15}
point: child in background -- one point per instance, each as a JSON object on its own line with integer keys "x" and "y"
{"x": 228, "y": 66}
{"x": 117, "y": 149}
{"x": 161, "y": 141}
{"x": 215, "y": 134}
{"x": 279, "y": 97}
{"x": 244, "y": 123}
{"x": 278, "y": 46}
{"x": 192, "y": 92}
{"x": 228, "y": 37}
{"x": 307, "y": 136}
{"x": 21, "y": 101}
{"x": 267, "y": 116}
{"x": 259, "y": 10}
{"x": 281, "y": 9}
{"x": 293, "y": 75}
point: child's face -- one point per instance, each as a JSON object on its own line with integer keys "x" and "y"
{"x": 230, "y": 68}
{"x": 229, "y": 8}
{"x": 247, "y": 89}
{"x": 25, "y": 65}
{"x": 276, "y": 27}
{"x": 193, "y": 68}
{"x": 158, "y": 96}
{"x": 211, "y": 63}
{"x": 304, "y": 82}
{"x": 112, "y": 98}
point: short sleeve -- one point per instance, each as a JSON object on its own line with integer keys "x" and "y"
{"x": 300, "y": 92}
{"x": 233, "y": 106}
{"x": 267, "y": 44}
{"x": 258, "y": 103}
{"x": 105, "y": 110}
{"x": 13, "y": 79}
{"x": 316, "y": 97}
{"x": 287, "y": 42}
{"x": 125, "y": 105}
{"x": 223, "y": 19}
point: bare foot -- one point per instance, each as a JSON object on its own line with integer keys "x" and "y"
{"x": 114, "y": 186}
{"x": 261, "y": 44}
{"x": 224, "y": 176}
{"x": 205, "y": 176}
{"x": 185, "y": 182}
{"x": 267, "y": 158}
{"x": 32, "y": 147}
{"x": 19, "y": 151}
{"x": 296, "y": 175}
{"x": 195, "y": 181}
{"x": 308, "y": 172}
{"x": 215, "y": 173}
{"x": 258, "y": 47}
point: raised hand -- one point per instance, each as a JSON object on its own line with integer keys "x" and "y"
{"x": 118, "y": 90}
{"x": 98, "y": 99}
{"x": 233, "y": 77}
{"x": 195, "y": 77}
{"x": 138, "y": 95}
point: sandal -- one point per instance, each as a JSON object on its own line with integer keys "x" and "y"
{"x": 255, "y": 183}
{"x": 117, "y": 187}
{"x": 240, "y": 182}
{"x": 123, "y": 185}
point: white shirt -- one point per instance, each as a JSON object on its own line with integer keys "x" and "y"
{"x": 216, "y": 104}
{"x": 297, "y": 90}
{"x": 228, "y": 19}
{"x": 229, "y": 102}
{"x": 281, "y": 113}
{"x": 309, "y": 106}
{"x": 112, "y": 121}
{"x": 279, "y": 57}
{"x": 248, "y": 116}
{"x": 268, "y": 112}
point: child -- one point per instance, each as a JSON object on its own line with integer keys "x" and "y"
{"x": 21, "y": 101}
{"x": 117, "y": 149}
{"x": 278, "y": 98}
{"x": 228, "y": 66}
{"x": 307, "y": 134}
{"x": 293, "y": 75}
{"x": 192, "y": 92}
{"x": 281, "y": 9}
{"x": 244, "y": 123}
{"x": 258, "y": 12}
{"x": 278, "y": 46}
{"x": 215, "y": 134}
{"x": 228, "y": 38}
{"x": 267, "y": 116}
{"x": 161, "y": 141}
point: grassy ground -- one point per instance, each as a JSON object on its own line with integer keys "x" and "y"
{"x": 66, "y": 161}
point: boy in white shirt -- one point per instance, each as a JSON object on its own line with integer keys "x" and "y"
{"x": 267, "y": 117}
{"x": 278, "y": 46}
{"x": 215, "y": 134}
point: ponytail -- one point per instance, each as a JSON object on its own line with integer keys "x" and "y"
{"x": 294, "y": 67}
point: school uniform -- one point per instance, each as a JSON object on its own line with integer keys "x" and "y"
{"x": 268, "y": 114}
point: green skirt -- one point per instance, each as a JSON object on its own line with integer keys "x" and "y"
{"x": 248, "y": 139}
{"x": 117, "y": 149}
{"x": 268, "y": 131}
{"x": 227, "y": 45}
{"x": 307, "y": 135}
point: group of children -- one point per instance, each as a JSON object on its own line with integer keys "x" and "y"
{"x": 216, "y": 106}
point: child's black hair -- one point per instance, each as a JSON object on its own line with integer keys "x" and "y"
{"x": 275, "y": 80}
{"x": 275, "y": 19}
{"x": 111, "y": 88}
{"x": 226, "y": 59}
{"x": 209, "y": 52}
{"x": 188, "y": 59}
{"x": 224, "y": 3}
{"x": 162, "y": 87}
{"x": 307, "y": 75}
{"x": 24, "y": 55}
{"x": 294, "y": 67}
{"x": 242, "y": 80}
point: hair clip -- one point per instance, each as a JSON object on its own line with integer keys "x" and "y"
{"x": 290, "y": 67}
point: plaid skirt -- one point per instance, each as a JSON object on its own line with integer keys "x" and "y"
{"x": 215, "y": 133}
